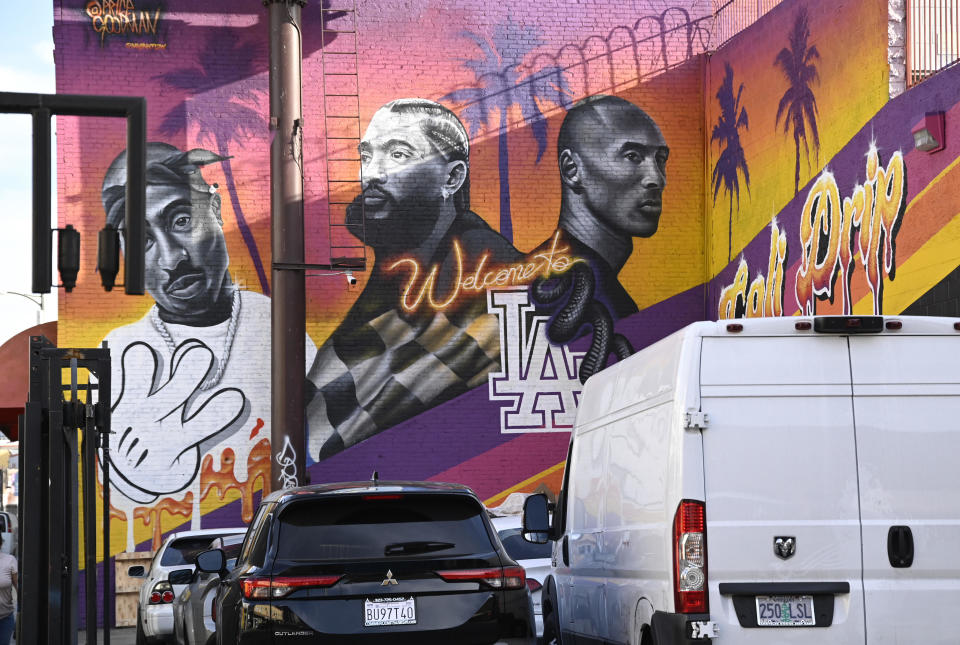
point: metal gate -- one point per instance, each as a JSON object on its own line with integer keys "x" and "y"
{"x": 65, "y": 424}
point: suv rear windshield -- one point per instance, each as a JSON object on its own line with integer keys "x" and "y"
{"x": 185, "y": 550}
{"x": 355, "y": 528}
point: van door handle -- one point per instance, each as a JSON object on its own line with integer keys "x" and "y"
{"x": 565, "y": 551}
{"x": 900, "y": 546}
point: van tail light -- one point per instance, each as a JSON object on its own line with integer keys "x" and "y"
{"x": 496, "y": 577}
{"x": 280, "y": 586}
{"x": 162, "y": 593}
{"x": 533, "y": 585}
{"x": 848, "y": 324}
{"x": 690, "y": 558}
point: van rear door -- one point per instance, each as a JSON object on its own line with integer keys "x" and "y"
{"x": 907, "y": 408}
{"x": 780, "y": 464}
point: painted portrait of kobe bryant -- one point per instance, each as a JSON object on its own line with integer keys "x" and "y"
{"x": 612, "y": 159}
{"x": 195, "y": 369}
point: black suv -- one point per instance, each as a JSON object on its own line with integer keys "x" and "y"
{"x": 372, "y": 562}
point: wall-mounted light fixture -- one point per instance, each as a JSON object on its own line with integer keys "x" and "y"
{"x": 928, "y": 134}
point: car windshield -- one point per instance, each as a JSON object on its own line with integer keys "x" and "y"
{"x": 406, "y": 526}
{"x": 185, "y": 550}
{"x": 519, "y": 549}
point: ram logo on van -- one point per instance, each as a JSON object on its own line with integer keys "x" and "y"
{"x": 784, "y": 546}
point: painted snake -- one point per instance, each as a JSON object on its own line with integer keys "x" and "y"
{"x": 581, "y": 309}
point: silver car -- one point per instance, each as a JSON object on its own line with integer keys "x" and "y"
{"x": 534, "y": 558}
{"x": 154, "y": 607}
{"x": 193, "y": 609}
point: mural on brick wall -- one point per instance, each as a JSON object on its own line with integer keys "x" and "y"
{"x": 857, "y": 234}
{"x": 190, "y": 371}
{"x": 422, "y": 332}
{"x": 509, "y": 190}
{"x": 417, "y": 335}
{"x": 512, "y": 200}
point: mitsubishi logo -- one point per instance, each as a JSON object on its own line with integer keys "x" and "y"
{"x": 389, "y": 580}
{"x": 784, "y": 546}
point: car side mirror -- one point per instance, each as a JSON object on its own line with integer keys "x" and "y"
{"x": 536, "y": 519}
{"x": 136, "y": 571}
{"x": 212, "y": 561}
{"x": 181, "y": 577}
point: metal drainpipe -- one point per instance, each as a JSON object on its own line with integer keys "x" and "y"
{"x": 288, "y": 307}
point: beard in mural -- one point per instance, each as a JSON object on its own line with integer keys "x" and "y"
{"x": 612, "y": 159}
{"x": 412, "y": 339}
{"x": 192, "y": 370}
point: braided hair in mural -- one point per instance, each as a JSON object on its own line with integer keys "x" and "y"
{"x": 406, "y": 345}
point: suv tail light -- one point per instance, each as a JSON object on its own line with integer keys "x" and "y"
{"x": 496, "y": 577}
{"x": 162, "y": 593}
{"x": 280, "y": 586}
{"x": 690, "y": 558}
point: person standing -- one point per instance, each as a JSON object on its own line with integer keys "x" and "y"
{"x": 8, "y": 582}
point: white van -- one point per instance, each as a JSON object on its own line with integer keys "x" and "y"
{"x": 780, "y": 480}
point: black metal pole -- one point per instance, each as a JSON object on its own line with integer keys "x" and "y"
{"x": 90, "y": 516}
{"x": 32, "y": 564}
{"x": 103, "y": 420}
{"x": 71, "y": 500}
{"x": 136, "y": 195}
{"x": 56, "y": 542}
{"x": 42, "y": 253}
{"x": 288, "y": 304}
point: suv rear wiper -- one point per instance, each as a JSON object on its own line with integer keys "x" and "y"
{"x": 398, "y": 548}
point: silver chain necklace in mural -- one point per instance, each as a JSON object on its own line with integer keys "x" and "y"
{"x": 161, "y": 328}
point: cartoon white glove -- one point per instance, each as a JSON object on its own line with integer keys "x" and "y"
{"x": 158, "y": 428}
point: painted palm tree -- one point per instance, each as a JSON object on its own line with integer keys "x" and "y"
{"x": 731, "y": 161}
{"x": 499, "y": 88}
{"x": 798, "y": 105}
{"x": 225, "y": 94}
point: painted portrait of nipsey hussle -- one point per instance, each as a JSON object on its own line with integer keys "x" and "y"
{"x": 406, "y": 345}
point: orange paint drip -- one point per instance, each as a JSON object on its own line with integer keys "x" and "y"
{"x": 151, "y": 515}
{"x": 256, "y": 428}
{"x": 222, "y": 480}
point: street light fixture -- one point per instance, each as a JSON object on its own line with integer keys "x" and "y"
{"x": 34, "y": 299}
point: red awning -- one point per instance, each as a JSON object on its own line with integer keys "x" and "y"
{"x": 15, "y": 374}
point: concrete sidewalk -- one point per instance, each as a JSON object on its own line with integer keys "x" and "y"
{"x": 118, "y": 636}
